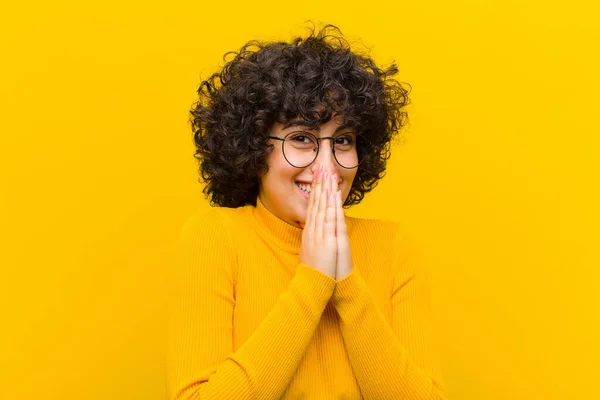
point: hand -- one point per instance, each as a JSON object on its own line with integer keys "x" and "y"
{"x": 319, "y": 243}
{"x": 344, "y": 254}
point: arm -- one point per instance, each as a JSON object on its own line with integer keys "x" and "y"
{"x": 200, "y": 361}
{"x": 397, "y": 361}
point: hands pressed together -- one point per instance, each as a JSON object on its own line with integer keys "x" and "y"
{"x": 325, "y": 242}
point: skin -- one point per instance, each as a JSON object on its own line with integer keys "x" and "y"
{"x": 325, "y": 234}
{"x": 277, "y": 188}
{"x": 279, "y": 193}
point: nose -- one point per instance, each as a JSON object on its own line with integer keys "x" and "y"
{"x": 326, "y": 157}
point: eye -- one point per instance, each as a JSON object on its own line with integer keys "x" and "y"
{"x": 302, "y": 139}
{"x": 344, "y": 140}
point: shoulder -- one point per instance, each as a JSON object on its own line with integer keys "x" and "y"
{"x": 207, "y": 237}
{"x": 211, "y": 222}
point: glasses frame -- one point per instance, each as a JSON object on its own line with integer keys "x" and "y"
{"x": 331, "y": 138}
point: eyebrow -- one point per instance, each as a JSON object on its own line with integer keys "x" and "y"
{"x": 301, "y": 123}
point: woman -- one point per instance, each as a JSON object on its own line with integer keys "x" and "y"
{"x": 280, "y": 295}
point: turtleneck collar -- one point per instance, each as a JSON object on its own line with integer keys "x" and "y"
{"x": 282, "y": 234}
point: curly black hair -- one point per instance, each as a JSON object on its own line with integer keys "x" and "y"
{"x": 273, "y": 82}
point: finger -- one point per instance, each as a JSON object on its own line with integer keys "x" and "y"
{"x": 311, "y": 199}
{"x": 334, "y": 185}
{"x": 330, "y": 217}
{"x": 317, "y": 199}
{"x": 327, "y": 205}
{"x": 319, "y": 218}
{"x": 341, "y": 231}
{"x": 334, "y": 189}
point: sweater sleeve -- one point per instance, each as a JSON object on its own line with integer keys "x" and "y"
{"x": 397, "y": 361}
{"x": 200, "y": 362}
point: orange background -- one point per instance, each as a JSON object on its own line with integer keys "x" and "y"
{"x": 497, "y": 181}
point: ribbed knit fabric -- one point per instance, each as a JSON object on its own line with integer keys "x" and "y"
{"x": 248, "y": 321}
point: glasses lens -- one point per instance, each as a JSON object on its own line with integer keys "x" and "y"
{"x": 300, "y": 149}
{"x": 345, "y": 150}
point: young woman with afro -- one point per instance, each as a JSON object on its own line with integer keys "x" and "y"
{"x": 280, "y": 295}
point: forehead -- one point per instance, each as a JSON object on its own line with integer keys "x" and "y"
{"x": 334, "y": 124}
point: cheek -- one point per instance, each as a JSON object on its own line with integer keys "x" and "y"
{"x": 280, "y": 168}
{"x": 349, "y": 178}
{"x": 276, "y": 169}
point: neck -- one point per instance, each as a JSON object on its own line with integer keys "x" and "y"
{"x": 273, "y": 229}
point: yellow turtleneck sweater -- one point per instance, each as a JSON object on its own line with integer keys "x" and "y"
{"x": 248, "y": 321}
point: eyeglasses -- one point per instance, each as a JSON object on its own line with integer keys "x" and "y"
{"x": 300, "y": 148}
